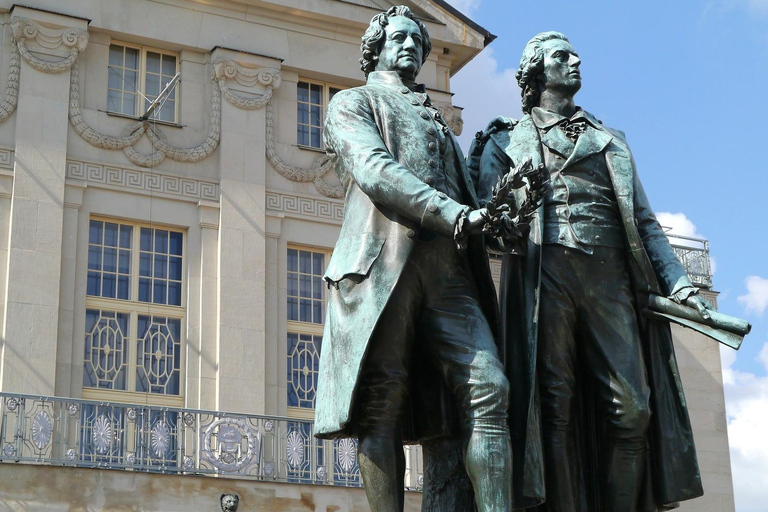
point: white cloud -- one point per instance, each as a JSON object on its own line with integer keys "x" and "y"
{"x": 756, "y": 298}
{"x": 485, "y": 92}
{"x": 679, "y": 223}
{"x": 746, "y": 398}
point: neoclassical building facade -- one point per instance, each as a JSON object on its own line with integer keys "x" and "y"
{"x": 161, "y": 300}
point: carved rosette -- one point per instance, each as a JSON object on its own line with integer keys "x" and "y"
{"x": 73, "y": 39}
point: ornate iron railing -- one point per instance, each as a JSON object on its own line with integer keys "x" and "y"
{"x": 693, "y": 253}
{"x": 86, "y": 433}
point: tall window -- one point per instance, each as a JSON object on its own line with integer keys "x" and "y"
{"x": 311, "y": 102}
{"x": 134, "y": 313}
{"x": 137, "y": 75}
{"x": 306, "y": 304}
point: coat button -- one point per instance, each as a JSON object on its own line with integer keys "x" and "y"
{"x": 414, "y": 101}
{"x": 432, "y": 146}
{"x": 591, "y": 173}
{"x": 432, "y": 208}
{"x": 405, "y": 90}
{"x": 597, "y": 238}
{"x": 432, "y": 163}
{"x": 562, "y": 237}
{"x": 424, "y": 114}
{"x": 429, "y": 180}
{"x": 442, "y": 196}
{"x": 410, "y": 233}
{"x": 431, "y": 131}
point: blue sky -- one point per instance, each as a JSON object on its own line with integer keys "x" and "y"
{"x": 688, "y": 82}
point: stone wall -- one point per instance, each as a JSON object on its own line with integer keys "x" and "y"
{"x": 52, "y": 489}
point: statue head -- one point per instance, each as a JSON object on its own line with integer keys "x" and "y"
{"x": 549, "y": 62}
{"x": 229, "y": 502}
{"x": 395, "y": 41}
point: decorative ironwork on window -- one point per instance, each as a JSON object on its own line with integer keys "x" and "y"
{"x": 303, "y": 369}
{"x": 158, "y": 355}
{"x": 106, "y": 343}
{"x": 311, "y": 102}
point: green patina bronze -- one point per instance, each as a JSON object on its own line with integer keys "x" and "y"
{"x": 606, "y": 428}
{"x": 410, "y": 344}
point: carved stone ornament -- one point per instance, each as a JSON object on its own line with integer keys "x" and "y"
{"x": 229, "y": 502}
{"x": 320, "y": 166}
{"x": 134, "y": 132}
{"x": 223, "y": 444}
{"x": 226, "y": 70}
{"x": 452, "y": 116}
{"x": 73, "y": 39}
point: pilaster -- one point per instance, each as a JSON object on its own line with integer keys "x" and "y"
{"x": 247, "y": 82}
{"x": 48, "y": 44}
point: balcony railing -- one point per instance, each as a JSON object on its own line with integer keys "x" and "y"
{"x": 693, "y": 253}
{"x": 84, "y": 433}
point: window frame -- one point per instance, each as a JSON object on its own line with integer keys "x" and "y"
{"x": 141, "y": 83}
{"x": 298, "y": 327}
{"x": 135, "y": 308}
{"x": 326, "y": 86}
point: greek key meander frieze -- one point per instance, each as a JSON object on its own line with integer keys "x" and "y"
{"x": 306, "y": 207}
{"x": 142, "y": 181}
{"x": 6, "y": 158}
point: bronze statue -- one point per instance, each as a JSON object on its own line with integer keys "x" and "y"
{"x": 614, "y": 426}
{"x": 409, "y": 350}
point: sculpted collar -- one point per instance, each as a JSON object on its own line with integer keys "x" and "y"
{"x": 392, "y": 79}
{"x": 544, "y": 119}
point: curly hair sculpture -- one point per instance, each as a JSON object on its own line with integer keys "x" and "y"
{"x": 531, "y": 68}
{"x": 374, "y": 36}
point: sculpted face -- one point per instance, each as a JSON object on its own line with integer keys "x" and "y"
{"x": 402, "y": 48}
{"x": 561, "y": 67}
